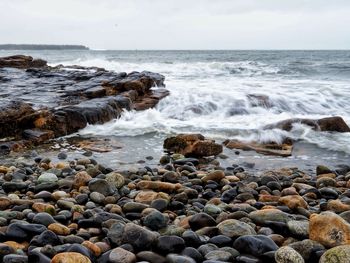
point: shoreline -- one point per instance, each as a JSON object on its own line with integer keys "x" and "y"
{"x": 181, "y": 209}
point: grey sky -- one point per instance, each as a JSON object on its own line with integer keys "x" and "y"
{"x": 178, "y": 24}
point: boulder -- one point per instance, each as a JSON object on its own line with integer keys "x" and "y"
{"x": 22, "y": 62}
{"x": 192, "y": 145}
{"x": 331, "y": 124}
{"x": 329, "y": 229}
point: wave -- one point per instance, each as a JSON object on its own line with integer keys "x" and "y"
{"x": 231, "y": 100}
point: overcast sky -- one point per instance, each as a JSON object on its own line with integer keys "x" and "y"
{"x": 178, "y": 24}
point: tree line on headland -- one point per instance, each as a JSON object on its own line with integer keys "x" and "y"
{"x": 41, "y": 47}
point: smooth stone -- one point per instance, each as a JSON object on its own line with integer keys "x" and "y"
{"x": 339, "y": 254}
{"x": 97, "y": 197}
{"x": 24, "y": 231}
{"x": 151, "y": 257}
{"x": 115, "y": 232}
{"x": 120, "y": 255}
{"x": 262, "y": 216}
{"x": 135, "y": 207}
{"x": 201, "y": 220}
{"x": 287, "y": 254}
{"x": 43, "y": 219}
{"x": 100, "y": 186}
{"x": 170, "y": 244}
{"x": 139, "y": 237}
{"x": 329, "y": 229}
{"x": 192, "y": 253}
{"x": 221, "y": 240}
{"x": 115, "y": 179}
{"x": 216, "y": 176}
{"x": 155, "y": 221}
{"x": 159, "y": 204}
{"x": 234, "y": 228}
{"x": 70, "y": 257}
{"x": 47, "y": 178}
{"x": 206, "y": 248}
{"x": 298, "y": 228}
{"x": 173, "y": 258}
{"x": 171, "y": 177}
{"x": 46, "y": 237}
{"x": 306, "y": 248}
{"x": 192, "y": 239}
{"x": 255, "y": 245}
{"x": 218, "y": 255}
{"x": 212, "y": 210}
{"x": 13, "y": 258}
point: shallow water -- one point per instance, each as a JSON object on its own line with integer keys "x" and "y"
{"x": 209, "y": 95}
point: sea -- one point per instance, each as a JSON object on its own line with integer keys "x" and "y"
{"x": 211, "y": 91}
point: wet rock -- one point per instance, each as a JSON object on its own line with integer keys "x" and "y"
{"x": 219, "y": 255}
{"x": 139, "y": 237}
{"x": 155, "y": 220}
{"x": 266, "y": 215}
{"x": 173, "y": 258}
{"x": 14, "y": 258}
{"x": 235, "y": 228}
{"x": 201, "y": 220}
{"x": 332, "y": 124}
{"x": 70, "y": 257}
{"x": 214, "y": 176}
{"x": 151, "y": 257}
{"x": 43, "y": 219}
{"x": 101, "y": 186}
{"x": 158, "y": 186}
{"x": 288, "y": 254}
{"x": 339, "y": 254}
{"x": 293, "y": 201}
{"x": 254, "y": 244}
{"x": 120, "y": 255}
{"x": 192, "y": 145}
{"x": 22, "y": 62}
{"x": 329, "y": 229}
{"x": 47, "y": 178}
{"x": 170, "y": 244}
{"x": 283, "y": 150}
{"x": 306, "y": 248}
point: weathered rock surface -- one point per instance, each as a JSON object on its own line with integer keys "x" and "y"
{"x": 331, "y": 124}
{"x": 329, "y": 229}
{"x": 74, "y": 97}
{"x": 283, "y": 150}
{"x": 23, "y": 62}
{"x": 192, "y": 145}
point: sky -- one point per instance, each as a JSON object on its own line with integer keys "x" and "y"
{"x": 178, "y": 24}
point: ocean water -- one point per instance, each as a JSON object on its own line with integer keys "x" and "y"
{"x": 210, "y": 93}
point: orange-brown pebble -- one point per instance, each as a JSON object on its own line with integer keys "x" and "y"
{"x": 70, "y": 257}
{"x": 158, "y": 186}
{"x": 81, "y": 179}
{"x": 293, "y": 201}
{"x": 59, "y": 229}
{"x": 96, "y": 250}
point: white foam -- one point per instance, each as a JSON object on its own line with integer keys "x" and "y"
{"x": 204, "y": 93}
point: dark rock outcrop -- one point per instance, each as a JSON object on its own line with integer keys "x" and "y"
{"x": 22, "y": 62}
{"x": 75, "y": 96}
{"x": 331, "y": 124}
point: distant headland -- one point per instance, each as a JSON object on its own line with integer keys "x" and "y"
{"x": 41, "y": 47}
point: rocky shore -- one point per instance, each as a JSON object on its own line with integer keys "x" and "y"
{"x": 61, "y": 100}
{"x": 187, "y": 209}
